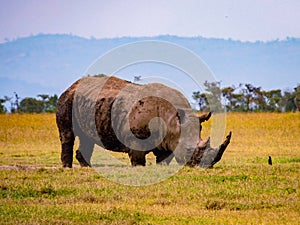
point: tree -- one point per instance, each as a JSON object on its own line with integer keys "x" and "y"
{"x": 44, "y": 100}
{"x": 137, "y": 78}
{"x": 273, "y": 100}
{"x": 31, "y": 105}
{"x": 201, "y": 100}
{"x": 17, "y": 105}
{"x": 248, "y": 95}
{"x": 227, "y": 92}
{"x": 51, "y": 104}
{"x": 8, "y": 99}
{"x": 97, "y": 75}
{"x": 297, "y": 97}
{"x": 46, "y": 104}
{"x": 287, "y": 101}
{"x": 214, "y": 95}
{"x": 2, "y": 107}
{"x": 238, "y": 102}
{"x": 290, "y": 100}
{"x": 259, "y": 99}
{"x": 14, "y": 103}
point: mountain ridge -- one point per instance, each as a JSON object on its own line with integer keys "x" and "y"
{"x": 50, "y": 62}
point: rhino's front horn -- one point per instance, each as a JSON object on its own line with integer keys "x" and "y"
{"x": 212, "y": 156}
{"x": 203, "y": 143}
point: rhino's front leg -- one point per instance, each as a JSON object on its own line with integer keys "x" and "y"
{"x": 163, "y": 156}
{"x": 137, "y": 158}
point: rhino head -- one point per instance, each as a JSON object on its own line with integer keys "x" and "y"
{"x": 204, "y": 155}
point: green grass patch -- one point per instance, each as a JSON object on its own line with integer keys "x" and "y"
{"x": 241, "y": 189}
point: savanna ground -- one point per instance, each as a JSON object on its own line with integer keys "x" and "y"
{"x": 241, "y": 189}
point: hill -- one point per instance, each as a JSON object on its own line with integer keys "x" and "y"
{"x": 49, "y": 63}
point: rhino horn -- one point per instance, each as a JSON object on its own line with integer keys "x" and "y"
{"x": 212, "y": 156}
{"x": 220, "y": 150}
{"x": 203, "y": 143}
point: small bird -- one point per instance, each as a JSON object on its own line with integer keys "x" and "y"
{"x": 270, "y": 160}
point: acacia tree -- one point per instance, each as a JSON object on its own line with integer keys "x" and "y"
{"x": 287, "y": 101}
{"x": 247, "y": 97}
{"x": 51, "y": 103}
{"x": 237, "y": 102}
{"x": 247, "y": 91}
{"x": 201, "y": 100}
{"x": 273, "y": 100}
{"x": 214, "y": 95}
{"x": 44, "y": 100}
{"x": 228, "y": 94}
{"x": 259, "y": 99}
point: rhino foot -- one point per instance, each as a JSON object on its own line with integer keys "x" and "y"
{"x": 81, "y": 160}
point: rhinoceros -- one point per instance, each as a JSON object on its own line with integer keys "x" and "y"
{"x": 135, "y": 119}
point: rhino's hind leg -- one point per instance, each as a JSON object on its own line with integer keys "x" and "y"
{"x": 85, "y": 151}
{"x": 67, "y": 142}
{"x": 66, "y": 133}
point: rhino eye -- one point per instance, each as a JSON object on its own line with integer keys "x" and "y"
{"x": 181, "y": 115}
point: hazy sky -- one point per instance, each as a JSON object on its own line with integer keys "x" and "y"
{"x": 246, "y": 20}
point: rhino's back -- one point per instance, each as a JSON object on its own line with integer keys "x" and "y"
{"x": 109, "y": 109}
{"x": 92, "y": 108}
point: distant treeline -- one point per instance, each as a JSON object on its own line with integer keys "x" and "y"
{"x": 43, "y": 103}
{"x": 241, "y": 98}
{"x": 245, "y": 98}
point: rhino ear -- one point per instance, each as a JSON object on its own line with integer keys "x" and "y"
{"x": 204, "y": 117}
{"x": 181, "y": 115}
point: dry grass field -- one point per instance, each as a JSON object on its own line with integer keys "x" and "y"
{"x": 241, "y": 189}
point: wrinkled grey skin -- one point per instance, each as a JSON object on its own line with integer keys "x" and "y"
{"x": 134, "y": 119}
